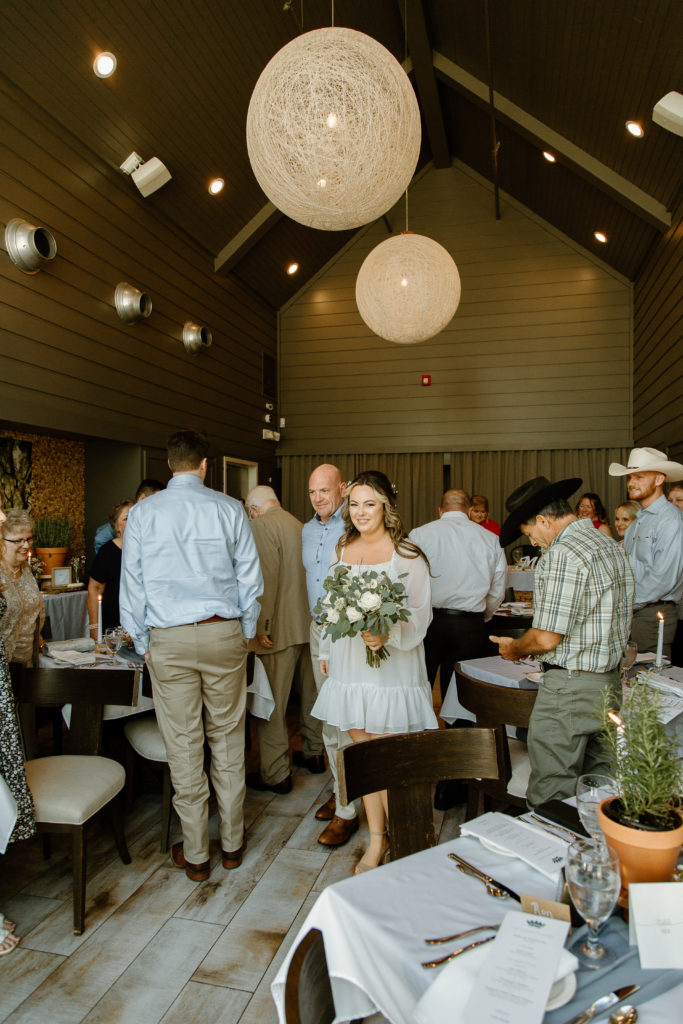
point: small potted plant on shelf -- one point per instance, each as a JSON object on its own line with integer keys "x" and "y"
{"x": 644, "y": 823}
{"x": 51, "y": 538}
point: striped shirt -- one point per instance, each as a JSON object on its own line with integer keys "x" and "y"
{"x": 584, "y": 589}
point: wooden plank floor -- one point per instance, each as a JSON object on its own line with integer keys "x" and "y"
{"x": 158, "y": 947}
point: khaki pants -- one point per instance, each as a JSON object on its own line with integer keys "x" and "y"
{"x": 198, "y": 677}
{"x": 563, "y": 732}
{"x": 282, "y": 668}
{"x": 333, "y": 738}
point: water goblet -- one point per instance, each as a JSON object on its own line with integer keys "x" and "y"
{"x": 594, "y": 883}
{"x": 627, "y": 660}
{"x": 517, "y": 554}
{"x": 113, "y": 639}
{"x": 590, "y": 791}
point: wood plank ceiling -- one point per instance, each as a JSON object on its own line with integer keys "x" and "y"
{"x": 572, "y": 70}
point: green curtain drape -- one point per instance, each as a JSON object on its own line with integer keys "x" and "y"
{"x": 419, "y": 476}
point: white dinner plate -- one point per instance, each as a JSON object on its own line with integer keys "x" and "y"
{"x": 535, "y": 677}
{"x": 561, "y": 992}
{"x": 494, "y": 848}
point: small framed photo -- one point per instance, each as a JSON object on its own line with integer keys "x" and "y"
{"x": 61, "y": 577}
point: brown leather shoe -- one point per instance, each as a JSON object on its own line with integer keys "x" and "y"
{"x": 197, "y": 872}
{"x": 326, "y": 812}
{"x": 339, "y": 831}
{"x": 315, "y": 763}
{"x": 255, "y": 781}
{"x": 233, "y": 858}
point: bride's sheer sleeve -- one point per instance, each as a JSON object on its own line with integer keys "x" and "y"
{"x": 406, "y": 635}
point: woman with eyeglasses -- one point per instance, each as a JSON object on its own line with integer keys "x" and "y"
{"x": 24, "y": 604}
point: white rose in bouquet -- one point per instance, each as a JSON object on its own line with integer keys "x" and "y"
{"x": 353, "y": 615}
{"x": 333, "y": 615}
{"x": 369, "y": 602}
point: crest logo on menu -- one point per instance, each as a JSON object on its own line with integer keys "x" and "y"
{"x": 535, "y": 924}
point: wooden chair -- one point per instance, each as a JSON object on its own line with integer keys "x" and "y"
{"x": 407, "y": 766}
{"x": 308, "y": 994}
{"x": 495, "y": 707}
{"x": 70, "y": 789}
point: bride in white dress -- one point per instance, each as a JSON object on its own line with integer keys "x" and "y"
{"x": 395, "y": 697}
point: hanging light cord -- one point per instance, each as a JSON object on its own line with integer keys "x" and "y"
{"x": 405, "y": 58}
{"x": 495, "y": 144}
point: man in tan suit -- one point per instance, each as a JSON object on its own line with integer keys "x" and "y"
{"x": 282, "y": 642}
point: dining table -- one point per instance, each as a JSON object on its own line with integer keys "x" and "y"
{"x": 496, "y": 670}
{"x": 374, "y": 928}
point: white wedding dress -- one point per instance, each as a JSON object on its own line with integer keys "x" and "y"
{"x": 395, "y": 697}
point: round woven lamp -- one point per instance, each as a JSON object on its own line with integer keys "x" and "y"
{"x": 408, "y": 288}
{"x": 333, "y": 129}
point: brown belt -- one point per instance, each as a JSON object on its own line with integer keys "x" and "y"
{"x": 214, "y": 618}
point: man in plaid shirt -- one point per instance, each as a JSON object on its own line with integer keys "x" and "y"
{"x": 583, "y": 604}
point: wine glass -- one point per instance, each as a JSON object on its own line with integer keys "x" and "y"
{"x": 517, "y": 555}
{"x": 594, "y": 883}
{"x": 113, "y": 639}
{"x": 627, "y": 660}
{"x": 590, "y": 791}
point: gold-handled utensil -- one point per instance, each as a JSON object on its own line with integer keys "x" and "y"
{"x": 457, "y": 952}
{"x": 492, "y": 890}
{"x": 462, "y": 935}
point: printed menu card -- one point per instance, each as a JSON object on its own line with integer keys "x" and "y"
{"x": 514, "y": 983}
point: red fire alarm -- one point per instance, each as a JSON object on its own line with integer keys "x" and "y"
{"x": 426, "y": 380}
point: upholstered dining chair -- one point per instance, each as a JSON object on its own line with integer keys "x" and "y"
{"x": 407, "y": 765}
{"x": 496, "y": 707}
{"x": 70, "y": 789}
{"x": 144, "y": 740}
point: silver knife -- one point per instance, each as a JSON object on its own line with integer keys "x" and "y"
{"x": 486, "y": 878}
{"x": 604, "y": 1003}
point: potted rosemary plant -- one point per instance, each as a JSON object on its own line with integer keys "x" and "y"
{"x": 51, "y": 538}
{"x": 644, "y": 823}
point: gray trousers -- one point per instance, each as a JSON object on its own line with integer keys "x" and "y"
{"x": 563, "y": 736}
{"x": 282, "y": 668}
{"x": 645, "y": 627}
{"x": 333, "y": 738}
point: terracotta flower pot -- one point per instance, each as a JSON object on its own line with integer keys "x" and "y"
{"x": 52, "y": 558}
{"x": 644, "y": 856}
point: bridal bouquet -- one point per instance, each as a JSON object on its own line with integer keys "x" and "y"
{"x": 354, "y": 603}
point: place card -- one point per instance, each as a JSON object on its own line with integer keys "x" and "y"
{"x": 656, "y": 923}
{"x": 515, "y": 981}
{"x": 501, "y": 833}
{"x": 546, "y": 908}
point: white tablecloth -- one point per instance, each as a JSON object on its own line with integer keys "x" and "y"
{"x": 494, "y": 670}
{"x": 68, "y": 614}
{"x": 374, "y": 925}
{"x": 521, "y": 579}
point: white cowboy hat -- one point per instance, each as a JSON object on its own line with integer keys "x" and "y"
{"x": 648, "y": 460}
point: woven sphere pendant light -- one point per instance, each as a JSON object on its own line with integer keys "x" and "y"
{"x": 408, "y": 288}
{"x": 333, "y": 129}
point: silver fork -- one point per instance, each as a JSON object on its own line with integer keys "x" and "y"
{"x": 462, "y": 935}
{"x": 457, "y": 952}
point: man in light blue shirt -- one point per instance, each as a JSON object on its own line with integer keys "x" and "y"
{"x": 190, "y": 580}
{"x": 654, "y": 542}
{"x": 319, "y": 538}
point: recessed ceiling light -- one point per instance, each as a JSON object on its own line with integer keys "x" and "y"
{"x": 600, "y": 236}
{"x": 550, "y": 157}
{"x": 635, "y": 128}
{"x": 104, "y": 64}
{"x": 216, "y": 186}
{"x": 292, "y": 268}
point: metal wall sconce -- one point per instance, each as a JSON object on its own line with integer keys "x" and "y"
{"x": 195, "y": 338}
{"x": 131, "y": 304}
{"x": 29, "y": 246}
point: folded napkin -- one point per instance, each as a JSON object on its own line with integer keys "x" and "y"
{"x": 511, "y": 836}
{"x": 447, "y": 996}
{"x": 82, "y": 644}
{"x": 73, "y": 658}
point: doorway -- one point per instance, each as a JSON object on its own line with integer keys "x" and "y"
{"x": 239, "y": 476}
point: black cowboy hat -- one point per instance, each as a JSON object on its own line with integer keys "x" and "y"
{"x": 529, "y": 499}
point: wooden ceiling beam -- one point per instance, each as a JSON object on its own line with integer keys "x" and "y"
{"x": 603, "y": 177}
{"x": 420, "y": 48}
{"x": 239, "y": 246}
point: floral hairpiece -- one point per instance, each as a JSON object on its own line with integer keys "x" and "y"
{"x": 394, "y": 488}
